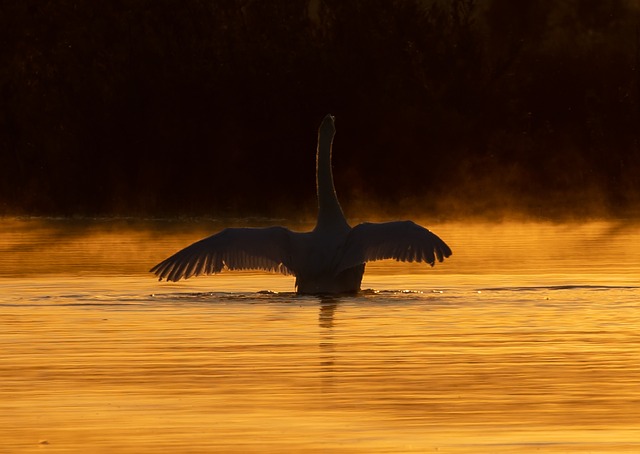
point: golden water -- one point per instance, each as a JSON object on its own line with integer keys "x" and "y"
{"x": 526, "y": 340}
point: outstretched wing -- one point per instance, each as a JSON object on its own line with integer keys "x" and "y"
{"x": 402, "y": 240}
{"x": 266, "y": 249}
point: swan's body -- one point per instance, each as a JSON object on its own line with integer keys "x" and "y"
{"x": 329, "y": 259}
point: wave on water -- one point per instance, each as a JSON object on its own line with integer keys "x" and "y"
{"x": 269, "y": 296}
{"x": 558, "y": 287}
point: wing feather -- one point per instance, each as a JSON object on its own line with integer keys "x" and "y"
{"x": 266, "y": 249}
{"x": 404, "y": 241}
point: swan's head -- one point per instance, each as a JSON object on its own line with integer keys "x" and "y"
{"x": 328, "y": 127}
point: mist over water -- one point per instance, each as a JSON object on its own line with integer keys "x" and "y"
{"x": 525, "y": 340}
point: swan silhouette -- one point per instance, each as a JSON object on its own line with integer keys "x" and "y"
{"x": 328, "y": 260}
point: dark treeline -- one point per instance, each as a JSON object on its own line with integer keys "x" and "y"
{"x": 198, "y": 107}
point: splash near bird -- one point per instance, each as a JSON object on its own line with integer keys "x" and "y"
{"x": 328, "y": 260}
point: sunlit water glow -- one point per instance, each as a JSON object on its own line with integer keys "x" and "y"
{"x": 526, "y": 340}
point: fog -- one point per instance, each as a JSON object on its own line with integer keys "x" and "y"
{"x": 443, "y": 109}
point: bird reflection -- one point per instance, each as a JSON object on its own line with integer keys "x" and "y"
{"x": 328, "y": 306}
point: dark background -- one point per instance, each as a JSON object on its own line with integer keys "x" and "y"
{"x": 443, "y": 108}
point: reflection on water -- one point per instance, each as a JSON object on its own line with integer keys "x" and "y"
{"x": 526, "y": 340}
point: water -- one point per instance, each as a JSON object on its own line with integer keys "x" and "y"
{"x": 526, "y": 340}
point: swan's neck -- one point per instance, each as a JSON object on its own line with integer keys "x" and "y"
{"x": 330, "y": 215}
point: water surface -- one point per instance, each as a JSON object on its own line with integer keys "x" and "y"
{"x": 525, "y": 340}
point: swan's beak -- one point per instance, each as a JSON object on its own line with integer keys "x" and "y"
{"x": 328, "y": 125}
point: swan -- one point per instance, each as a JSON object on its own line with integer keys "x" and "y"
{"x": 330, "y": 259}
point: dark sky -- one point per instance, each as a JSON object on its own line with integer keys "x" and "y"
{"x": 446, "y": 108}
